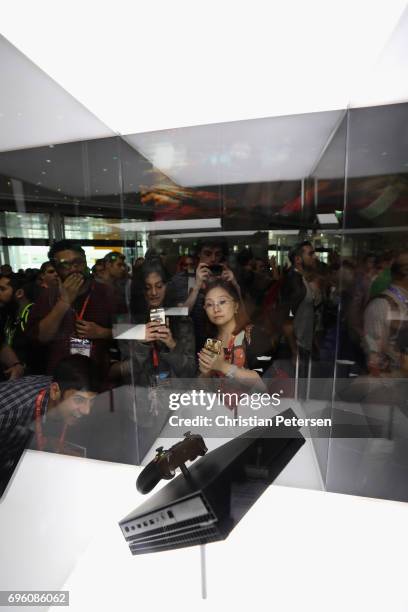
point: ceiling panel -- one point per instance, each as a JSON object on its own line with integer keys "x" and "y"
{"x": 273, "y": 149}
{"x": 35, "y": 110}
{"x": 387, "y": 80}
{"x": 377, "y": 144}
{"x": 146, "y": 66}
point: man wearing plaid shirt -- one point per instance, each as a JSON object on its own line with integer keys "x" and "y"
{"x": 30, "y": 402}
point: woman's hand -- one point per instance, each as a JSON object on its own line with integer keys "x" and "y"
{"x": 165, "y": 336}
{"x": 151, "y": 331}
{"x": 207, "y": 361}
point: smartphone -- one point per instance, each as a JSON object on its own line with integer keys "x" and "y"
{"x": 213, "y": 345}
{"x": 159, "y": 315}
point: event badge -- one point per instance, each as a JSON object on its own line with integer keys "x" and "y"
{"x": 80, "y": 346}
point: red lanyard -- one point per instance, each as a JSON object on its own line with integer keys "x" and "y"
{"x": 155, "y": 357}
{"x": 41, "y": 440}
{"x": 229, "y": 353}
{"x": 79, "y": 316}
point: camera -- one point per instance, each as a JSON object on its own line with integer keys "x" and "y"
{"x": 216, "y": 269}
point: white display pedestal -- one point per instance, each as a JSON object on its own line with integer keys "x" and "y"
{"x": 294, "y": 550}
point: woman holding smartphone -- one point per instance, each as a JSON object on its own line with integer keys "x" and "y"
{"x": 167, "y": 349}
{"x": 240, "y": 343}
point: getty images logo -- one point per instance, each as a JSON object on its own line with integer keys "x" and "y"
{"x": 208, "y": 401}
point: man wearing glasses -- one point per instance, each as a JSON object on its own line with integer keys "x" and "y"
{"x": 75, "y": 316}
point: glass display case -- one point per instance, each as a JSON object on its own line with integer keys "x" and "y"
{"x": 250, "y": 201}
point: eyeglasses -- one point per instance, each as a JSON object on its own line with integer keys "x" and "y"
{"x": 66, "y": 264}
{"x": 220, "y": 304}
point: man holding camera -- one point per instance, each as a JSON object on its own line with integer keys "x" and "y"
{"x": 211, "y": 264}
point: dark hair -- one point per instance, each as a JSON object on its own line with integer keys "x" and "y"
{"x": 402, "y": 340}
{"x": 297, "y": 250}
{"x": 152, "y": 255}
{"x": 20, "y": 281}
{"x": 244, "y": 257}
{"x": 138, "y": 304}
{"x": 242, "y": 317}
{"x": 16, "y": 281}
{"x": 181, "y": 262}
{"x": 153, "y": 266}
{"x": 98, "y": 262}
{"x": 65, "y": 245}
{"x": 77, "y": 372}
{"x": 396, "y": 267}
{"x": 45, "y": 265}
{"x": 212, "y": 243}
{"x": 226, "y": 285}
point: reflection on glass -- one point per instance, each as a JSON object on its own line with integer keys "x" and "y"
{"x": 296, "y": 241}
{"x": 26, "y": 225}
{"x": 378, "y": 167}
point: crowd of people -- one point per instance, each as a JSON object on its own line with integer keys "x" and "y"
{"x": 266, "y": 320}
{"x": 294, "y": 312}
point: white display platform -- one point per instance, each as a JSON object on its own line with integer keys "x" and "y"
{"x": 295, "y": 549}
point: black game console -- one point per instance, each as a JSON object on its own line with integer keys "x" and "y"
{"x": 220, "y": 489}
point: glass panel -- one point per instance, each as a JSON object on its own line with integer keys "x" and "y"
{"x": 24, "y": 225}
{"x": 42, "y": 178}
{"x": 370, "y": 458}
{"x": 235, "y": 201}
{"x": 165, "y": 174}
{"x": 377, "y": 190}
{"x": 93, "y": 228}
{"x": 24, "y": 257}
